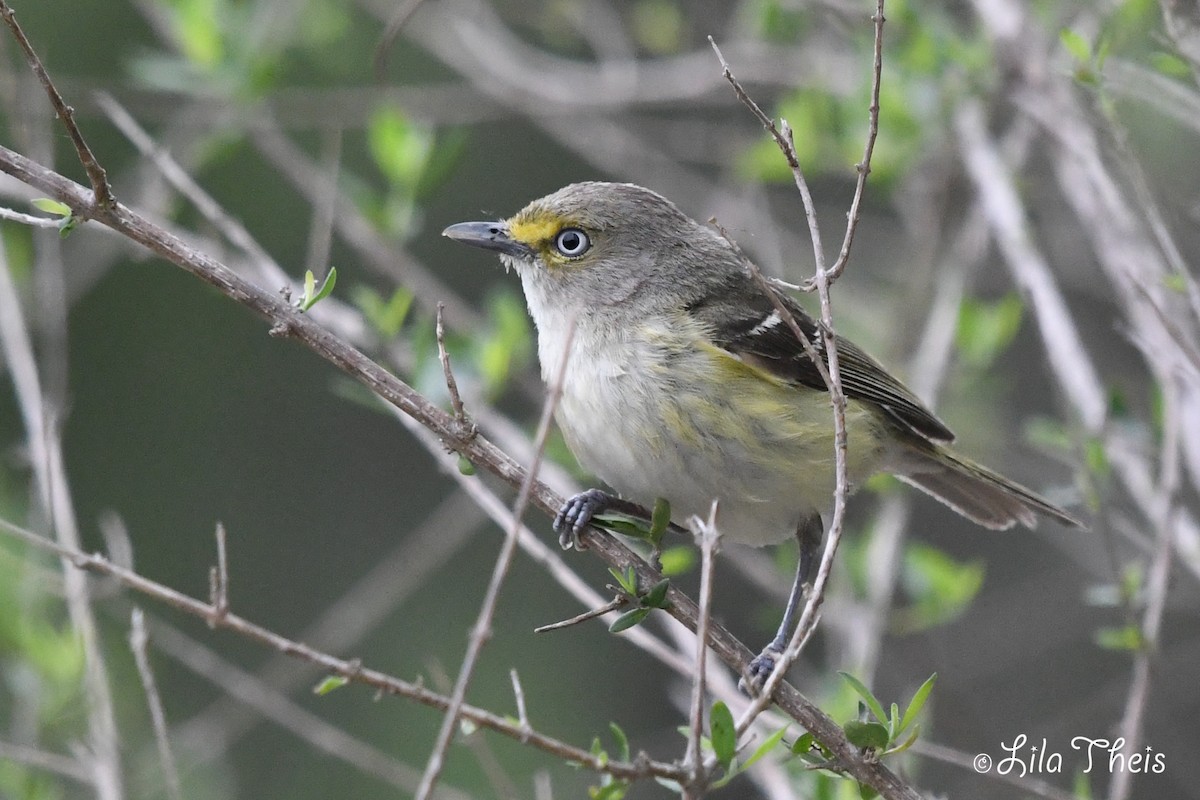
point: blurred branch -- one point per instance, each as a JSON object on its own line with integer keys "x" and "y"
{"x": 54, "y": 501}
{"x": 482, "y": 631}
{"x": 158, "y": 717}
{"x": 352, "y": 670}
{"x": 949, "y": 755}
{"x": 101, "y": 191}
{"x": 288, "y": 321}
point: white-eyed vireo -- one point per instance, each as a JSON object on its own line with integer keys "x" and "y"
{"x": 683, "y": 382}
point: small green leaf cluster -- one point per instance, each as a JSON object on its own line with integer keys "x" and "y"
{"x": 938, "y": 588}
{"x": 880, "y": 733}
{"x": 671, "y": 561}
{"x": 610, "y": 788}
{"x": 986, "y": 329}
{"x": 656, "y": 597}
{"x": 312, "y": 294}
{"x": 722, "y": 741}
{"x": 1127, "y": 593}
{"x": 67, "y": 220}
{"x": 414, "y": 159}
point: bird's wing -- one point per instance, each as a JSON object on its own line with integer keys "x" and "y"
{"x": 747, "y": 324}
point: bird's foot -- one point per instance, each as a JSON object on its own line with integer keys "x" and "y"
{"x": 761, "y": 667}
{"x": 575, "y": 515}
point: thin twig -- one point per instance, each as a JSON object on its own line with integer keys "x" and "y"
{"x": 810, "y": 614}
{"x": 53, "y": 492}
{"x": 1060, "y": 336}
{"x": 708, "y": 538}
{"x": 1157, "y": 583}
{"x": 274, "y": 705}
{"x": 158, "y": 718}
{"x": 863, "y": 167}
{"x": 101, "y": 192}
{"x": 395, "y": 24}
{"x": 482, "y": 630}
{"x": 343, "y": 623}
{"x": 218, "y": 580}
{"x": 519, "y": 695}
{"x": 949, "y": 755}
{"x": 591, "y": 613}
{"x": 28, "y": 219}
{"x": 352, "y": 670}
{"x": 66, "y": 766}
{"x": 456, "y": 402}
{"x": 427, "y": 417}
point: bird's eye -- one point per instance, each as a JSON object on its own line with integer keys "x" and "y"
{"x": 572, "y": 242}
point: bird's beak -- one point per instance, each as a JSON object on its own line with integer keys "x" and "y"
{"x": 489, "y": 236}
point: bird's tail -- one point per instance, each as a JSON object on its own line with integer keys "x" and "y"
{"x": 976, "y": 492}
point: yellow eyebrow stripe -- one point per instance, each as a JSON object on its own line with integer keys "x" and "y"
{"x": 534, "y": 231}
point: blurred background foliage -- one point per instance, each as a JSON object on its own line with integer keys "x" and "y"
{"x": 348, "y": 133}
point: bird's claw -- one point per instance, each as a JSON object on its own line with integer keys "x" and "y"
{"x": 761, "y": 667}
{"x": 575, "y": 515}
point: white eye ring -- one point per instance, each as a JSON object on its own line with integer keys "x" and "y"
{"x": 572, "y": 242}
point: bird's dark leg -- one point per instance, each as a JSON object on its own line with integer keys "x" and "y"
{"x": 578, "y": 511}
{"x": 808, "y": 536}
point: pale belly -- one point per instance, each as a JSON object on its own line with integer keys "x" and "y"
{"x": 762, "y": 449}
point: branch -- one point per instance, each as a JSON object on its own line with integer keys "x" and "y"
{"x": 351, "y": 670}
{"x": 101, "y": 191}
{"x": 483, "y": 624}
{"x": 481, "y": 452}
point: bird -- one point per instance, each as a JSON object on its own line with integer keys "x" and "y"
{"x": 683, "y": 381}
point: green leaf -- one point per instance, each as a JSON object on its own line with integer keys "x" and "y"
{"x": 401, "y": 148}
{"x": 941, "y": 587}
{"x": 803, "y": 744}
{"x": 68, "y": 224}
{"x": 1170, "y": 65}
{"x": 622, "y": 524}
{"x": 312, "y": 295}
{"x": 1097, "y": 457}
{"x": 723, "y": 733}
{"x": 51, "y": 206}
{"x": 866, "y": 734}
{"x": 916, "y": 704}
{"x": 986, "y": 329}
{"x": 629, "y": 619}
{"x": 627, "y": 580}
{"x": 1075, "y": 44}
{"x": 611, "y": 791}
{"x": 465, "y": 466}
{"x": 1132, "y": 579}
{"x": 1126, "y": 637}
{"x": 660, "y": 518}
{"x": 658, "y": 26}
{"x": 329, "y": 684}
{"x": 657, "y": 596}
{"x": 866, "y": 792}
{"x": 1082, "y": 788}
{"x": 677, "y": 560}
{"x": 1176, "y": 282}
{"x": 769, "y": 744}
{"x": 622, "y": 741}
{"x": 868, "y": 697}
{"x": 326, "y": 286}
{"x": 506, "y": 345}
{"x": 912, "y": 738}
